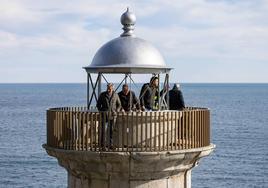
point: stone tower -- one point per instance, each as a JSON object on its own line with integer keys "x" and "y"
{"x": 155, "y": 148}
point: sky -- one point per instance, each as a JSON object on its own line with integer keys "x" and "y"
{"x": 217, "y": 41}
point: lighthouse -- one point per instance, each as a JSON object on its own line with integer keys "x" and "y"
{"x": 150, "y": 149}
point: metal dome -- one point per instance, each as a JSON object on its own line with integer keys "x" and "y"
{"x": 127, "y": 53}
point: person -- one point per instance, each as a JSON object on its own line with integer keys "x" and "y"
{"x": 108, "y": 101}
{"x": 149, "y": 95}
{"x": 176, "y": 101}
{"x": 128, "y": 99}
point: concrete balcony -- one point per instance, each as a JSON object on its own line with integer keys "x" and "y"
{"x": 148, "y": 149}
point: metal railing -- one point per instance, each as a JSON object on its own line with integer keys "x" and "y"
{"x": 76, "y": 128}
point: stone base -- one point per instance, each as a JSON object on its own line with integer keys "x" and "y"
{"x": 182, "y": 180}
{"x": 167, "y": 169}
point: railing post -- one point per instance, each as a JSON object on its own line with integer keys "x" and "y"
{"x": 146, "y": 132}
{"x": 96, "y": 130}
{"x": 208, "y": 127}
{"x": 155, "y": 130}
{"x": 181, "y": 130}
{"x": 167, "y": 122}
{"x": 88, "y": 91}
{"x": 159, "y": 130}
{"x": 127, "y": 130}
{"x": 132, "y": 129}
{"x": 177, "y": 130}
{"x": 151, "y": 139}
{"x": 48, "y": 128}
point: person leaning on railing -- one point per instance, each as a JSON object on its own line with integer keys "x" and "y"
{"x": 128, "y": 99}
{"x": 176, "y": 100}
{"x": 110, "y": 103}
{"x": 149, "y": 95}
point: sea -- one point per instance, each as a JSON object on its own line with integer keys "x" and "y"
{"x": 239, "y": 129}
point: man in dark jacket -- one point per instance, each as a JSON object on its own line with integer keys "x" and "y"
{"x": 176, "y": 101}
{"x": 149, "y": 95}
{"x": 128, "y": 99}
{"x": 109, "y": 100}
{"x": 109, "y": 103}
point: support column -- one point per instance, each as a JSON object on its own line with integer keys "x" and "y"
{"x": 159, "y": 105}
{"x": 167, "y": 78}
{"x": 87, "y": 91}
{"x": 99, "y": 84}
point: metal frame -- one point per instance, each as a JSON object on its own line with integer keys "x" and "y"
{"x": 93, "y": 86}
{"x": 163, "y": 104}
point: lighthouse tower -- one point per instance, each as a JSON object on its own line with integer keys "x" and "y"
{"x": 150, "y": 149}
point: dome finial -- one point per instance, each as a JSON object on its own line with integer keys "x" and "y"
{"x": 128, "y": 20}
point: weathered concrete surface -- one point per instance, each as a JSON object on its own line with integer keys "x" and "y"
{"x": 173, "y": 181}
{"x": 129, "y": 169}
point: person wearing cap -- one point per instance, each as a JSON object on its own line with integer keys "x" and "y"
{"x": 128, "y": 99}
{"x": 176, "y": 101}
{"x": 149, "y": 95}
{"x": 109, "y": 102}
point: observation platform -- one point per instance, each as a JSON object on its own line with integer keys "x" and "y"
{"x": 150, "y": 149}
{"x": 76, "y": 128}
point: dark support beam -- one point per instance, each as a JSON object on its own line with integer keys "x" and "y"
{"x": 162, "y": 98}
{"x": 93, "y": 88}
{"x": 158, "y": 75}
{"x": 88, "y": 91}
{"x": 130, "y": 94}
{"x": 104, "y": 78}
{"x": 126, "y": 78}
{"x": 99, "y": 84}
{"x": 134, "y": 83}
{"x": 126, "y": 75}
{"x": 167, "y": 77}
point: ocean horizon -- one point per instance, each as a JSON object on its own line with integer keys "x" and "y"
{"x": 239, "y": 129}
